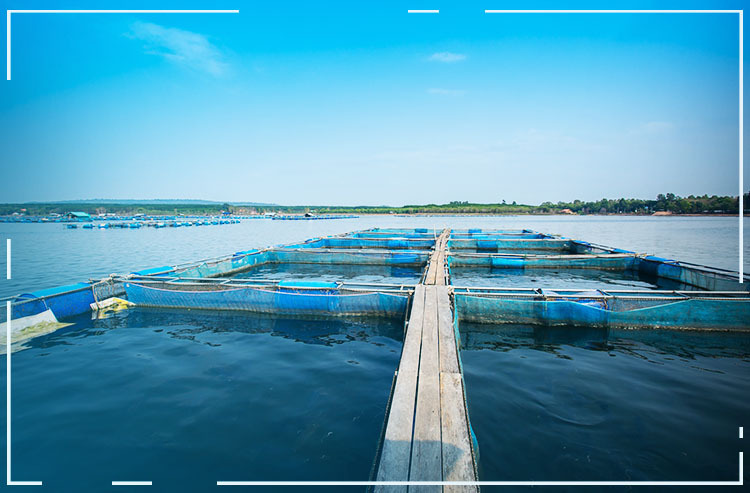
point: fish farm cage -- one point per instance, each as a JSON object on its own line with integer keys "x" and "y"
{"x": 433, "y": 280}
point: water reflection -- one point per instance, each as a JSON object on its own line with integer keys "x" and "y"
{"x": 335, "y": 272}
{"x": 560, "y": 279}
{"x": 188, "y": 397}
{"x": 595, "y": 404}
{"x": 682, "y": 344}
{"x": 201, "y": 325}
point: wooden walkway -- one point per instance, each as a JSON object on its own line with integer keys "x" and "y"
{"x": 427, "y": 435}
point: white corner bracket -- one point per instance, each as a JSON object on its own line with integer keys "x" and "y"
{"x": 9, "y": 12}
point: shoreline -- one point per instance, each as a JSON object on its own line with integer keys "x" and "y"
{"x": 152, "y": 216}
{"x": 491, "y": 214}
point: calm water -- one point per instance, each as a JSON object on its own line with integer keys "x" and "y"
{"x": 332, "y": 273}
{"x": 584, "y": 404}
{"x": 188, "y": 398}
{"x": 46, "y": 255}
{"x": 558, "y": 278}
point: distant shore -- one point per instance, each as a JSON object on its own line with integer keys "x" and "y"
{"x": 557, "y": 214}
{"x": 664, "y": 204}
{"x": 172, "y": 216}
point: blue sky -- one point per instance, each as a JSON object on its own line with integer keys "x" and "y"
{"x": 361, "y": 103}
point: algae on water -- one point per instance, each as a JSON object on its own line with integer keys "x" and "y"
{"x": 27, "y": 328}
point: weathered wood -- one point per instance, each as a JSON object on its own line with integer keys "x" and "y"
{"x": 396, "y": 453}
{"x": 443, "y": 257}
{"x": 427, "y": 436}
{"x": 443, "y": 277}
{"x": 426, "y": 462}
{"x": 431, "y": 270}
{"x": 458, "y": 462}
{"x": 436, "y": 268}
{"x": 448, "y": 343}
{"x": 439, "y": 268}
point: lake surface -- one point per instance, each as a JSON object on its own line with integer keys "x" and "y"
{"x": 46, "y": 255}
{"x": 564, "y": 403}
{"x": 335, "y": 272}
{"x": 548, "y": 278}
{"x": 186, "y": 398}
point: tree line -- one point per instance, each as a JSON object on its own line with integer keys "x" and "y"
{"x": 669, "y": 202}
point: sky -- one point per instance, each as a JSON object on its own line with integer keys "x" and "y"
{"x": 362, "y": 103}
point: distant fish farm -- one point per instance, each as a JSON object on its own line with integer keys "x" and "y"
{"x": 129, "y": 224}
{"x": 311, "y": 217}
{"x": 73, "y": 220}
{"x": 433, "y": 281}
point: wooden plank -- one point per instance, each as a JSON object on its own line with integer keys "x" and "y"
{"x": 436, "y": 268}
{"x": 431, "y": 271}
{"x": 440, "y": 276}
{"x": 396, "y": 454}
{"x": 427, "y": 435}
{"x": 436, "y": 264}
{"x": 426, "y": 458}
{"x": 447, "y": 342}
{"x": 443, "y": 257}
{"x": 457, "y": 460}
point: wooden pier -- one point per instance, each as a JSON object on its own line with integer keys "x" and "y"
{"x": 427, "y": 436}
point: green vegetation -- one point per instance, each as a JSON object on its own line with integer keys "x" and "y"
{"x": 450, "y": 208}
{"x": 664, "y": 203}
{"x": 43, "y": 209}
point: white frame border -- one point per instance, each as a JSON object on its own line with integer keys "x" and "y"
{"x": 740, "y": 481}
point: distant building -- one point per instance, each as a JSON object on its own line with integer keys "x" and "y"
{"x": 566, "y": 211}
{"x": 78, "y": 216}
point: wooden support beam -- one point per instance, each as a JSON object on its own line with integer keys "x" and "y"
{"x": 448, "y": 342}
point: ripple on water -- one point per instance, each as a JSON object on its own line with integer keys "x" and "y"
{"x": 590, "y": 404}
{"x": 186, "y": 398}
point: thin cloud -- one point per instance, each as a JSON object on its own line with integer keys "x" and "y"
{"x": 181, "y": 47}
{"x": 446, "y": 92}
{"x": 446, "y": 57}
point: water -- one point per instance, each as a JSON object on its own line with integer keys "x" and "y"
{"x": 582, "y": 279}
{"x": 189, "y": 398}
{"x": 587, "y": 404}
{"x": 47, "y": 255}
{"x": 512, "y": 251}
{"x": 333, "y": 272}
{"x": 186, "y": 398}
